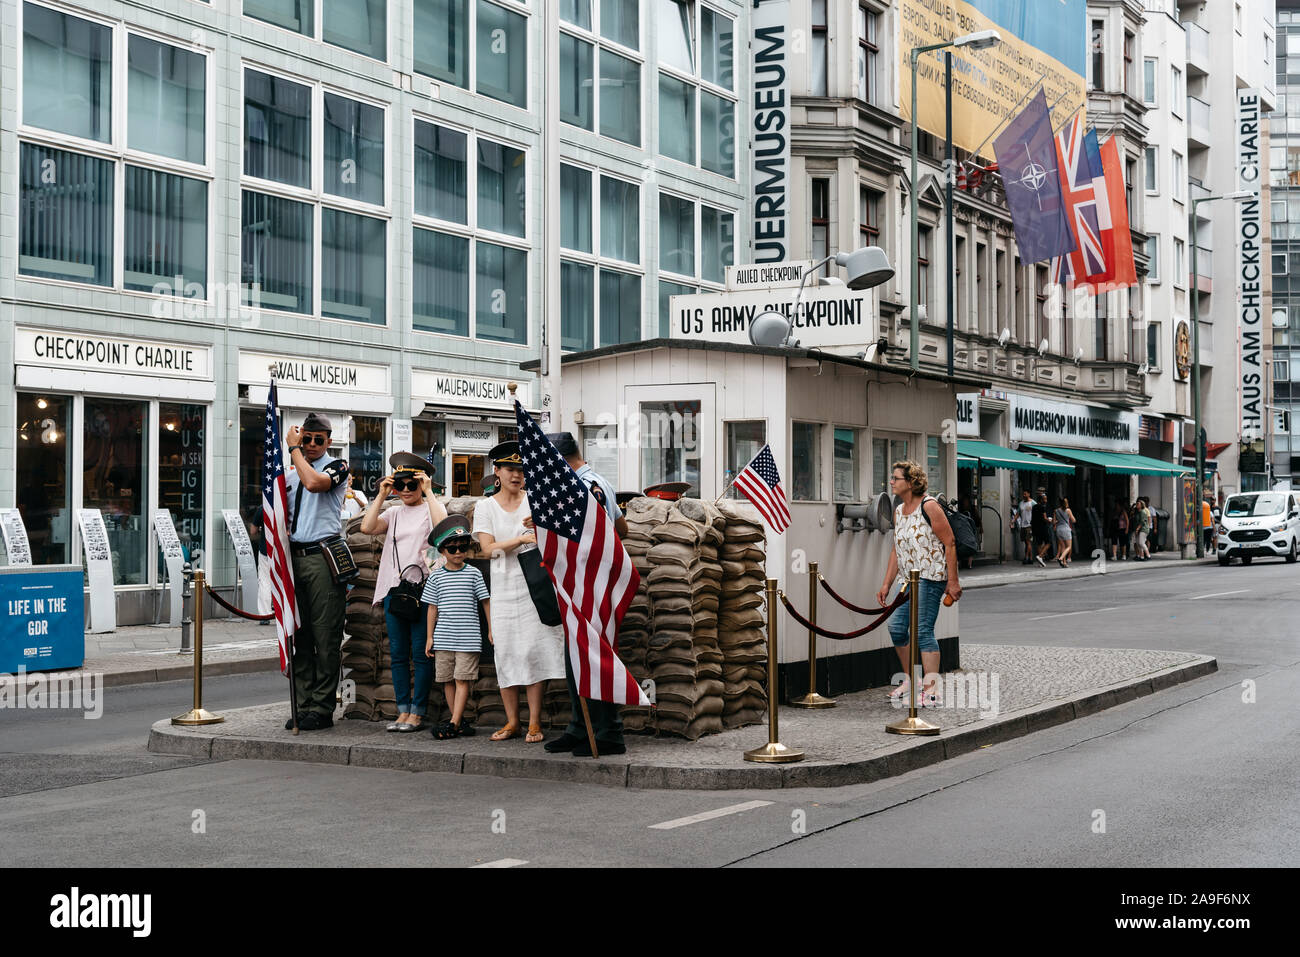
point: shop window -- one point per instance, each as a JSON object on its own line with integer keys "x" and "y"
{"x": 846, "y": 465}
{"x": 43, "y": 461}
{"x": 744, "y": 440}
{"x": 354, "y": 150}
{"x": 115, "y": 480}
{"x": 65, "y": 219}
{"x": 252, "y": 430}
{"x": 934, "y": 470}
{"x": 67, "y": 74}
{"x": 670, "y": 443}
{"x": 366, "y": 454}
{"x": 429, "y": 440}
{"x": 181, "y": 472}
{"x": 600, "y": 449}
{"x": 805, "y": 462}
{"x": 166, "y": 95}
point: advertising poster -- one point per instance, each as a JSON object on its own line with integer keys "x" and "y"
{"x": 44, "y": 619}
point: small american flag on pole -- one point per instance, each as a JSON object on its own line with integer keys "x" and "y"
{"x": 594, "y": 578}
{"x": 762, "y": 486}
{"x": 275, "y": 531}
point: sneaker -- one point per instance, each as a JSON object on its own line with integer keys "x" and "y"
{"x": 1039, "y": 559}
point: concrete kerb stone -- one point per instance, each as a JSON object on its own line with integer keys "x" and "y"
{"x": 908, "y": 755}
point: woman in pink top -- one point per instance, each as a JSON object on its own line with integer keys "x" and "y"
{"x": 405, "y": 527}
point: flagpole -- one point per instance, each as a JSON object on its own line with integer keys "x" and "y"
{"x": 591, "y": 735}
{"x": 1002, "y": 122}
{"x": 726, "y": 490}
{"x": 288, "y": 564}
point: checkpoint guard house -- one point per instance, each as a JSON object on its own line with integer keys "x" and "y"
{"x": 697, "y": 406}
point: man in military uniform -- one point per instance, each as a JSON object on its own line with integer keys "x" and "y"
{"x": 317, "y": 487}
{"x": 605, "y": 720}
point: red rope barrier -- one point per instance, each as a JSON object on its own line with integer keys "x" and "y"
{"x": 233, "y": 610}
{"x": 902, "y": 597}
{"x": 845, "y": 602}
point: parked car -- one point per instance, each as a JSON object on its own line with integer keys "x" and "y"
{"x": 1259, "y": 524}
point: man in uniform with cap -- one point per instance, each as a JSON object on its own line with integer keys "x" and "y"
{"x": 605, "y": 720}
{"x": 317, "y": 487}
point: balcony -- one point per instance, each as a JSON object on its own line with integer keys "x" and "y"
{"x": 1198, "y": 122}
{"x": 1198, "y": 48}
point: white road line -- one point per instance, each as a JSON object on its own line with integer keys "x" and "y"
{"x": 1090, "y": 611}
{"x": 708, "y": 815}
{"x": 1220, "y": 594}
{"x": 504, "y": 862}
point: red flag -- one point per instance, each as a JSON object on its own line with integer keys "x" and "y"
{"x": 593, "y": 575}
{"x": 762, "y": 486}
{"x": 1120, "y": 268}
{"x": 275, "y": 532}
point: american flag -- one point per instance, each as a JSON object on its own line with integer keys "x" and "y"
{"x": 594, "y": 578}
{"x": 1080, "y": 169}
{"x": 762, "y": 486}
{"x": 275, "y": 531}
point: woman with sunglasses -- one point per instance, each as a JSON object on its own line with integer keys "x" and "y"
{"x": 405, "y": 527}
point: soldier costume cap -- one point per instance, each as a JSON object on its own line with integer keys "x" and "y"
{"x": 506, "y": 454}
{"x": 489, "y": 483}
{"x": 316, "y": 422}
{"x": 667, "y": 491}
{"x": 564, "y": 443}
{"x": 451, "y": 528}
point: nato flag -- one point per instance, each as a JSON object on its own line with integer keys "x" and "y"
{"x": 1026, "y": 155}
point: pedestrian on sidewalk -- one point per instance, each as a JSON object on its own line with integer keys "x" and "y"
{"x": 1117, "y": 530}
{"x": 454, "y": 594}
{"x": 1042, "y": 525}
{"x": 923, "y": 541}
{"x": 1143, "y": 553}
{"x": 1207, "y": 524}
{"x": 405, "y": 528}
{"x": 1025, "y": 524}
{"x": 1064, "y": 521}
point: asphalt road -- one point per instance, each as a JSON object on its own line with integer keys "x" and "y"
{"x": 1200, "y": 775}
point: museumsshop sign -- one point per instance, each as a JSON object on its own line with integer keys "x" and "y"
{"x": 1072, "y": 424}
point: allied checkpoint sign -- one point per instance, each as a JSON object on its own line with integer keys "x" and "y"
{"x": 1041, "y": 40}
{"x": 44, "y": 618}
{"x": 827, "y": 315}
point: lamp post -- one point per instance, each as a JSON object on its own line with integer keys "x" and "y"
{"x": 979, "y": 40}
{"x": 1196, "y": 362}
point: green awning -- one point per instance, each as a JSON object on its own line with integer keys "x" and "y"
{"x": 1116, "y": 463}
{"x": 966, "y": 462}
{"x": 1001, "y": 458}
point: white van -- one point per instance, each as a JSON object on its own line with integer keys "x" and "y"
{"x": 1257, "y": 524}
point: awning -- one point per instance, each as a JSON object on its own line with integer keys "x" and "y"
{"x": 1212, "y": 450}
{"x": 1002, "y": 458}
{"x": 1116, "y": 463}
{"x": 966, "y": 461}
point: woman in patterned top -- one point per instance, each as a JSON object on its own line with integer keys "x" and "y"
{"x": 923, "y": 540}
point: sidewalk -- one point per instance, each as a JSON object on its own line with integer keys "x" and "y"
{"x": 1017, "y": 691}
{"x": 1012, "y": 572}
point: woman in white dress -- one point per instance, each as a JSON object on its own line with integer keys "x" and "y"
{"x": 527, "y": 652}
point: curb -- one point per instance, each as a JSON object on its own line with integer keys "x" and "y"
{"x": 144, "y": 676}
{"x": 164, "y": 738}
{"x": 1083, "y": 571}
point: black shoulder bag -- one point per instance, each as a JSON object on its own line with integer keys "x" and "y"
{"x": 540, "y": 587}
{"x": 404, "y": 597}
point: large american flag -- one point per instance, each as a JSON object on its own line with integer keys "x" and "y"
{"x": 762, "y": 486}
{"x": 594, "y": 578}
{"x": 1080, "y": 169}
{"x": 275, "y": 531}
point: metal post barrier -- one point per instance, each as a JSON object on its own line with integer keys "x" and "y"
{"x": 187, "y": 612}
{"x": 197, "y": 715}
{"x": 912, "y": 724}
{"x": 812, "y": 699}
{"x": 773, "y": 752}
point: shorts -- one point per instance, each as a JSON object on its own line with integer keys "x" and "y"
{"x": 1043, "y": 536}
{"x": 458, "y": 665}
{"x": 1064, "y": 534}
{"x": 1142, "y": 539}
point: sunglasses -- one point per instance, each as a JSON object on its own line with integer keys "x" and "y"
{"x": 315, "y": 440}
{"x": 406, "y": 485}
{"x": 457, "y": 548}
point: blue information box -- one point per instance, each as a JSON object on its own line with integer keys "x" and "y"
{"x": 42, "y": 618}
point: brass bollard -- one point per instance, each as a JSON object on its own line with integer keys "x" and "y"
{"x": 812, "y": 699}
{"x": 197, "y": 715}
{"x": 912, "y": 724}
{"x": 774, "y": 752}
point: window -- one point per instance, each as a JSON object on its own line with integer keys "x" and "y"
{"x": 442, "y": 42}
{"x": 71, "y": 203}
{"x": 1176, "y": 187}
{"x": 934, "y": 470}
{"x": 1153, "y": 259}
{"x": 1180, "y": 271}
{"x": 366, "y": 454}
{"x": 115, "y": 480}
{"x": 1153, "y": 346}
{"x": 667, "y": 290}
{"x": 600, "y": 296}
{"x": 620, "y": 98}
{"x": 846, "y": 465}
{"x": 1042, "y": 283}
{"x": 181, "y": 471}
{"x": 576, "y": 82}
{"x": 868, "y": 216}
{"x": 43, "y": 469}
{"x": 744, "y": 440}
{"x": 805, "y": 462}
{"x": 697, "y": 102}
{"x": 1177, "y": 96}
{"x": 820, "y": 224}
{"x": 1152, "y": 160}
{"x": 357, "y": 25}
{"x": 1128, "y": 62}
{"x": 1149, "y": 81}
{"x": 884, "y": 453}
{"x": 676, "y": 235}
{"x": 670, "y": 442}
{"x": 923, "y": 247}
{"x": 469, "y": 259}
{"x": 1097, "y": 60}
{"x": 817, "y": 51}
{"x": 429, "y": 438}
{"x": 281, "y": 228}
{"x": 1101, "y": 327}
{"x": 679, "y": 241}
{"x": 600, "y": 448}
{"x": 868, "y": 78}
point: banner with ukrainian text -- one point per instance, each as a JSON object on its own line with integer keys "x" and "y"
{"x": 1042, "y": 40}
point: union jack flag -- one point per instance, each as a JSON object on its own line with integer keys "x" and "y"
{"x": 1079, "y": 162}
{"x": 275, "y": 531}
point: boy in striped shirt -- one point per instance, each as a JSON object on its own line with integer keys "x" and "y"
{"x": 454, "y": 594}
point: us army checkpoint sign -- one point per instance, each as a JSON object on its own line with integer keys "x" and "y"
{"x": 827, "y": 315}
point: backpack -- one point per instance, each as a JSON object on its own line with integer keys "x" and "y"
{"x": 963, "y": 529}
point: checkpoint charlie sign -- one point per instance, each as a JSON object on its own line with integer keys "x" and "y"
{"x": 827, "y": 316}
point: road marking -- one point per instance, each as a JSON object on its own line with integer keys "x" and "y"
{"x": 504, "y": 862}
{"x": 1090, "y": 611}
{"x": 1220, "y": 594}
{"x": 708, "y": 815}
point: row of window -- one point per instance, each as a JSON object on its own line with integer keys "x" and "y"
{"x": 1151, "y": 173}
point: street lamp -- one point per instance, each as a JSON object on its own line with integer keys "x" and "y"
{"x": 867, "y": 267}
{"x": 980, "y": 40}
{"x": 1196, "y": 360}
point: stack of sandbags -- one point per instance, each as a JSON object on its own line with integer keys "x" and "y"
{"x": 367, "y": 671}
{"x": 706, "y": 591}
{"x": 742, "y": 635}
{"x": 643, "y": 516}
{"x": 675, "y": 570}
